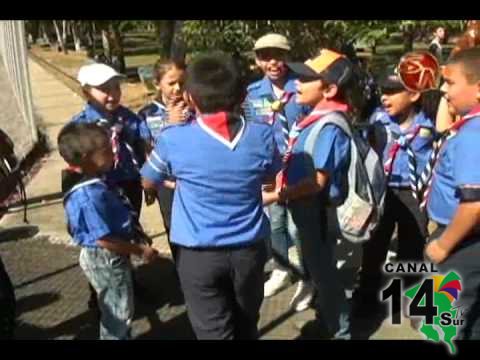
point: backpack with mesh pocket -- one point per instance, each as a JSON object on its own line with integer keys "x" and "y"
{"x": 357, "y": 218}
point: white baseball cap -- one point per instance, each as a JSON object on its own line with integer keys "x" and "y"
{"x": 272, "y": 41}
{"x": 96, "y": 74}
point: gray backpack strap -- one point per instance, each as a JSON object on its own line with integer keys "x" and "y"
{"x": 335, "y": 118}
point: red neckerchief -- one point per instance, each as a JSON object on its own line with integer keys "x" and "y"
{"x": 475, "y": 111}
{"x": 392, "y": 153}
{"x": 471, "y": 114}
{"x": 218, "y": 123}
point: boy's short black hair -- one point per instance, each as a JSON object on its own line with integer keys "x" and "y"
{"x": 214, "y": 83}
{"x": 470, "y": 59}
{"x": 77, "y": 140}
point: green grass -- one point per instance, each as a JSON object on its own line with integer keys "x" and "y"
{"x": 141, "y": 60}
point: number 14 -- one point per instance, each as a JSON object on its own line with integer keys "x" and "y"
{"x": 427, "y": 309}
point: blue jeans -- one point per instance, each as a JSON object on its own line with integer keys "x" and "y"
{"x": 111, "y": 276}
{"x": 318, "y": 249}
{"x": 284, "y": 234}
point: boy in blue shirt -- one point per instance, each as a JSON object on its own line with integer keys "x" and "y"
{"x": 312, "y": 183}
{"x": 272, "y": 100}
{"x": 130, "y": 135}
{"x": 219, "y": 162}
{"x": 402, "y": 135}
{"x": 101, "y": 222}
{"x": 454, "y": 201}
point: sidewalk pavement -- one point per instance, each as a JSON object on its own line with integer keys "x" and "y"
{"x": 51, "y": 290}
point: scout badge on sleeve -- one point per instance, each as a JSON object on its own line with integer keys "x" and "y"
{"x": 419, "y": 71}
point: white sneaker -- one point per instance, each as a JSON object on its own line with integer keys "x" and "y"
{"x": 277, "y": 281}
{"x": 303, "y": 296}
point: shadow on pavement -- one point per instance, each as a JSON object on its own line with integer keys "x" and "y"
{"x": 164, "y": 294}
{"x": 35, "y": 301}
{"x": 159, "y": 306}
{"x": 13, "y": 233}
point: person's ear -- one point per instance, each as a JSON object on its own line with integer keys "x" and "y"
{"x": 415, "y": 96}
{"x": 86, "y": 91}
{"x": 156, "y": 84}
{"x": 330, "y": 91}
{"x": 258, "y": 62}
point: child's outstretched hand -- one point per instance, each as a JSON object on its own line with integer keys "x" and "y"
{"x": 149, "y": 254}
{"x": 176, "y": 111}
{"x": 150, "y": 196}
{"x": 269, "y": 197}
{"x": 435, "y": 253}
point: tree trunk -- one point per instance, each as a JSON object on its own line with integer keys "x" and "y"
{"x": 64, "y": 35}
{"x": 60, "y": 43}
{"x": 92, "y": 45}
{"x": 44, "y": 32}
{"x": 107, "y": 49}
{"x": 177, "y": 50}
{"x": 34, "y": 29}
{"x": 117, "y": 42}
{"x": 165, "y": 32}
{"x": 408, "y": 37}
{"x": 76, "y": 36}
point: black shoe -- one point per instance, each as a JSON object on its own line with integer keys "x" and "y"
{"x": 312, "y": 330}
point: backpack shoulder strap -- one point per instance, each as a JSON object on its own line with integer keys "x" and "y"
{"x": 335, "y": 118}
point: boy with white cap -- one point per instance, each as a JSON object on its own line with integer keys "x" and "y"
{"x": 272, "y": 100}
{"x": 129, "y": 134}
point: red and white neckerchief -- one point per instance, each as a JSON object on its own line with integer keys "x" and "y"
{"x": 278, "y": 105}
{"x": 115, "y": 139}
{"x": 317, "y": 114}
{"x": 427, "y": 175}
{"x": 217, "y": 126}
{"x": 403, "y": 140}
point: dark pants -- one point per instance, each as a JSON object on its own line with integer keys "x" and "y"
{"x": 134, "y": 191}
{"x": 223, "y": 289}
{"x": 318, "y": 251}
{"x": 401, "y": 209}
{"x": 165, "y": 202}
{"x": 464, "y": 260}
{"x": 7, "y": 305}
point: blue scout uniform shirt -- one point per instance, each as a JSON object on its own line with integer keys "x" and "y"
{"x": 458, "y": 166}
{"x": 93, "y": 211}
{"x": 260, "y": 97}
{"x": 155, "y": 115}
{"x": 421, "y": 145}
{"x": 217, "y": 199}
{"x": 134, "y": 131}
{"x": 331, "y": 154}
